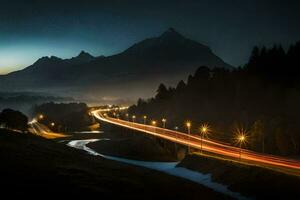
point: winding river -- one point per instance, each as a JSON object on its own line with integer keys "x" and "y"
{"x": 165, "y": 167}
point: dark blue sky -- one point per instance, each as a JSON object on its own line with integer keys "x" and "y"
{"x": 30, "y": 29}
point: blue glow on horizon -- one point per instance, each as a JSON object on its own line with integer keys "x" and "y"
{"x": 18, "y": 56}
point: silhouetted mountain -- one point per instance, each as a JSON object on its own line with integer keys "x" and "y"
{"x": 172, "y": 51}
{"x": 168, "y": 58}
{"x": 82, "y": 57}
{"x": 170, "y": 43}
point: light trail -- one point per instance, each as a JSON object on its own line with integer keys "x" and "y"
{"x": 44, "y": 131}
{"x": 250, "y": 157}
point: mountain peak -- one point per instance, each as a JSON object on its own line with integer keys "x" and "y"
{"x": 171, "y": 33}
{"x": 84, "y": 55}
{"x": 47, "y": 59}
{"x": 170, "y": 44}
{"x": 171, "y": 30}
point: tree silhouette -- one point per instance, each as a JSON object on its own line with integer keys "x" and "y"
{"x": 14, "y": 119}
{"x": 258, "y": 135}
{"x": 71, "y": 116}
{"x": 263, "y": 95}
{"x": 162, "y": 92}
{"x": 180, "y": 86}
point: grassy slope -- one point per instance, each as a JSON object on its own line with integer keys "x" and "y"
{"x": 30, "y": 165}
{"x": 131, "y": 144}
{"x": 249, "y": 180}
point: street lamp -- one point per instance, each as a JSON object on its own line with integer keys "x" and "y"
{"x": 133, "y": 118}
{"x": 154, "y": 124}
{"x": 127, "y": 116}
{"x": 164, "y": 122}
{"x": 145, "y": 118}
{"x": 204, "y": 130}
{"x": 52, "y": 124}
{"x": 241, "y": 139}
{"x": 41, "y": 116}
{"x": 188, "y": 125}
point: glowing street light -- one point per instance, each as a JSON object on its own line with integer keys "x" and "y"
{"x": 133, "y": 118}
{"x": 164, "y": 122}
{"x": 41, "y": 116}
{"x": 188, "y": 125}
{"x": 241, "y": 139}
{"x": 127, "y": 116}
{"x": 204, "y": 130}
{"x": 52, "y": 124}
{"x": 145, "y": 118}
{"x": 154, "y": 124}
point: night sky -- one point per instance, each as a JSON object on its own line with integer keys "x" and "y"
{"x": 32, "y": 29}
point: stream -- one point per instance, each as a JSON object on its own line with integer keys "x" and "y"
{"x": 165, "y": 167}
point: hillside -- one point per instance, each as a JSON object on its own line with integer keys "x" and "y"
{"x": 250, "y": 181}
{"x": 30, "y": 164}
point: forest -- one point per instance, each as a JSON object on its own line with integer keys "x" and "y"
{"x": 63, "y": 117}
{"x": 261, "y": 98}
{"x": 14, "y": 120}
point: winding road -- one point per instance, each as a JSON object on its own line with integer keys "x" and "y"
{"x": 278, "y": 163}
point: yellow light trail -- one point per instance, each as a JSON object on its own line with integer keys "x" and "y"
{"x": 207, "y": 145}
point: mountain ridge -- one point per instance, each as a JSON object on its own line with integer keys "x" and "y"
{"x": 167, "y": 57}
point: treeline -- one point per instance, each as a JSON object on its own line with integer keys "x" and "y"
{"x": 275, "y": 65}
{"x": 12, "y": 119}
{"x": 63, "y": 116}
{"x": 262, "y": 97}
{"x": 23, "y": 101}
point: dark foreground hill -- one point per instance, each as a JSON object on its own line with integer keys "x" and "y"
{"x": 250, "y": 181}
{"x": 32, "y": 166}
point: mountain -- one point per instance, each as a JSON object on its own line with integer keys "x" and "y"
{"x": 140, "y": 68}
{"x": 170, "y": 52}
{"x": 82, "y": 57}
{"x": 173, "y": 47}
{"x": 45, "y": 72}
